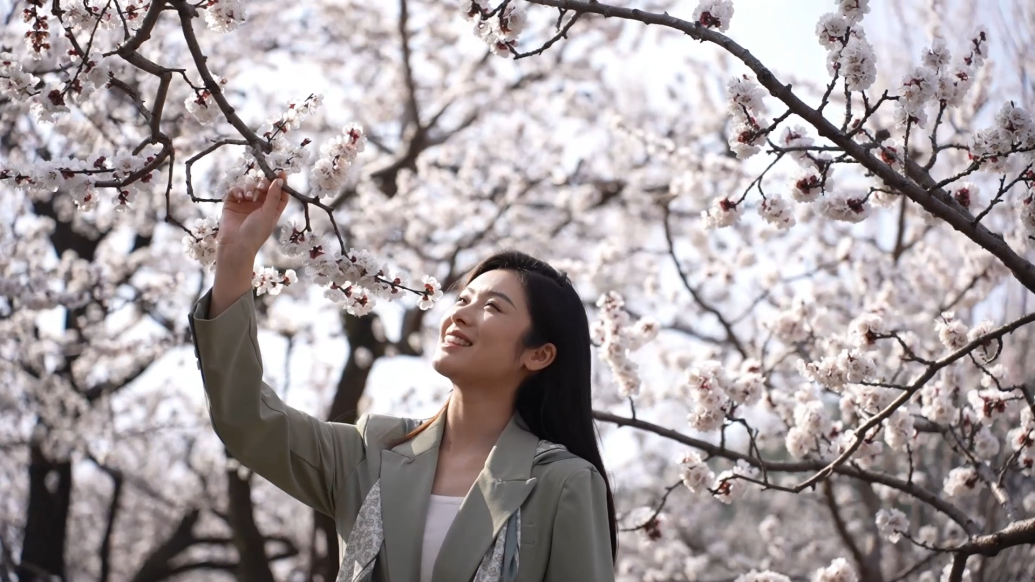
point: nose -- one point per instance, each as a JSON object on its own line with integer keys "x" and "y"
{"x": 460, "y": 315}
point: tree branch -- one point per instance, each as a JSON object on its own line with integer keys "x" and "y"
{"x": 924, "y": 495}
{"x": 921, "y": 188}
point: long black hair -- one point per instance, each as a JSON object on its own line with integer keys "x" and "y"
{"x": 555, "y": 402}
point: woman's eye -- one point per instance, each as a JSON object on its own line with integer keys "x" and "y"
{"x": 494, "y": 306}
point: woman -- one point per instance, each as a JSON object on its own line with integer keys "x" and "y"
{"x": 505, "y": 483}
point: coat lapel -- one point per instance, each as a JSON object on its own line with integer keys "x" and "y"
{"x": 501, "y": 488}
{"x": 407, "y": 474}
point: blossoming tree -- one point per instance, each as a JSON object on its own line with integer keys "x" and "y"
{"x": 851, "y": 357}
{"x": 870, "y": 383}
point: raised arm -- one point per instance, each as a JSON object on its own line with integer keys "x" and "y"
{"x": 304, "y": 456}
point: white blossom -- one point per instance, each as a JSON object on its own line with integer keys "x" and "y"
{"x": 432, "y": 292}
{"x": 892, "y": 523}
{"x": 961, "y": 481}
{"x": 203, "y": 107}
{"x": 853, "y": 10}
{"x": 838, "y": 571}
{"x": 337, "y": 154}
{"x": 619, "y": 337}
{"x": 808, "y": 185}
{"x": 696, "y": 475}
{"x": 864, "y": 329}
{"x": 714, "y": 14}
{"x": 777, "y": 212}
{"x": 224, "y": 15}
{"x": 937, "y": 55}
{"x": 845, "y": 207}
{"x": 951, "y": 331}
{"x": 270, "y": 280}
{"x": 724, "y": 212}
{"x": 831, "y": 30}
{"x": 730, "y": 487}
{"x": 855, "y": 62}
{"x": 898, "y": 430}
{"x": 201, "y": 245}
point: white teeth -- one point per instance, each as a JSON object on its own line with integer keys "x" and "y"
{"x": 457, "y": 341}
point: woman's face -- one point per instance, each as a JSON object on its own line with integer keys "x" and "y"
{"x": 480, "y": 338}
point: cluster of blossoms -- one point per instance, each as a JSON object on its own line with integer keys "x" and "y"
{"x": 15, "y": 82}
{"x": 202, "y": 243}
{"x": 330, "y": 171}
{"x": 1022, "y": 441}
{"x": 839, "y": 570}
{"x": 713, "y": 393}
{"x": 79, "y": 177}
{"x": 1013, "y": 130}
{"x": 791, "y": 325}
{"x": 50, "y": 101}
{"x": 813, "y": 181}
{"x": 961, "y": 482}
{"x": 892, "y": 523}
{"x": 939, "y": 399}
{"x": 327, "y": 175}
{"x": 618, "y": 337}
{"x": 813, "y": 430}
{"x": 201, "y": 104}
{"x": 954, "y": 335}
{"x": 730, "y": 484}
{"x": 353, "y": 279}
{"x": 746, "y": 108}
{"x": 695, "y": 473}
{"x": 714, "y": 14}
{"x": 724, "y": 212}
{"x": 849, "y": 54}
{"x": 224, "y": 15}
{"x": 499, "y": 29}
{"x": 777, "y": 212}
{"x": 89, "y": 13}
{"x": 845, "y": 206}
{"x": 933, "y": 81}
{"x": 727, "y": 487}
{"x": 296, "y": 113}
{"x": 836, "y": 371}
{"x": 272, "y": 281}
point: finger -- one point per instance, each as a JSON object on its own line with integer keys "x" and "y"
{"x": 272, "y": 202}
{"x": 234, "y": 193}
{"x": 282, "y": 179}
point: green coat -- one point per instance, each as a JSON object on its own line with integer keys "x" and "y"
{"x": 331, "y": 466}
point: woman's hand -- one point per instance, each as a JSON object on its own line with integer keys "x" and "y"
{"x": 250, "y": 216}
{"x": 248, "y": 220}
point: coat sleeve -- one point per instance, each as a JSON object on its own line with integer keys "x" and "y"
{"x": 304, "y": 456}
{"x": 581, "y": 546}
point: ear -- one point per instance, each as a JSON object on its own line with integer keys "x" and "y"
{"x": 538, "y": 358}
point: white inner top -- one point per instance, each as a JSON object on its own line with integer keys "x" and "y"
{"x": 441, "y": 512}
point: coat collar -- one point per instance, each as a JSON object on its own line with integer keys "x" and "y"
{"x": 407, "y": 474}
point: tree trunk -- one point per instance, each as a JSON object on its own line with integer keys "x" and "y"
{"x": 254, "y": 564}
{"x": 46, "y": 525}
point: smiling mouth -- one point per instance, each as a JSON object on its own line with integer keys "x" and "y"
{"x": 451, "y": 340}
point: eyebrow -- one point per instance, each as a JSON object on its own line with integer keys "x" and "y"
{"x": 502, "y": 296}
